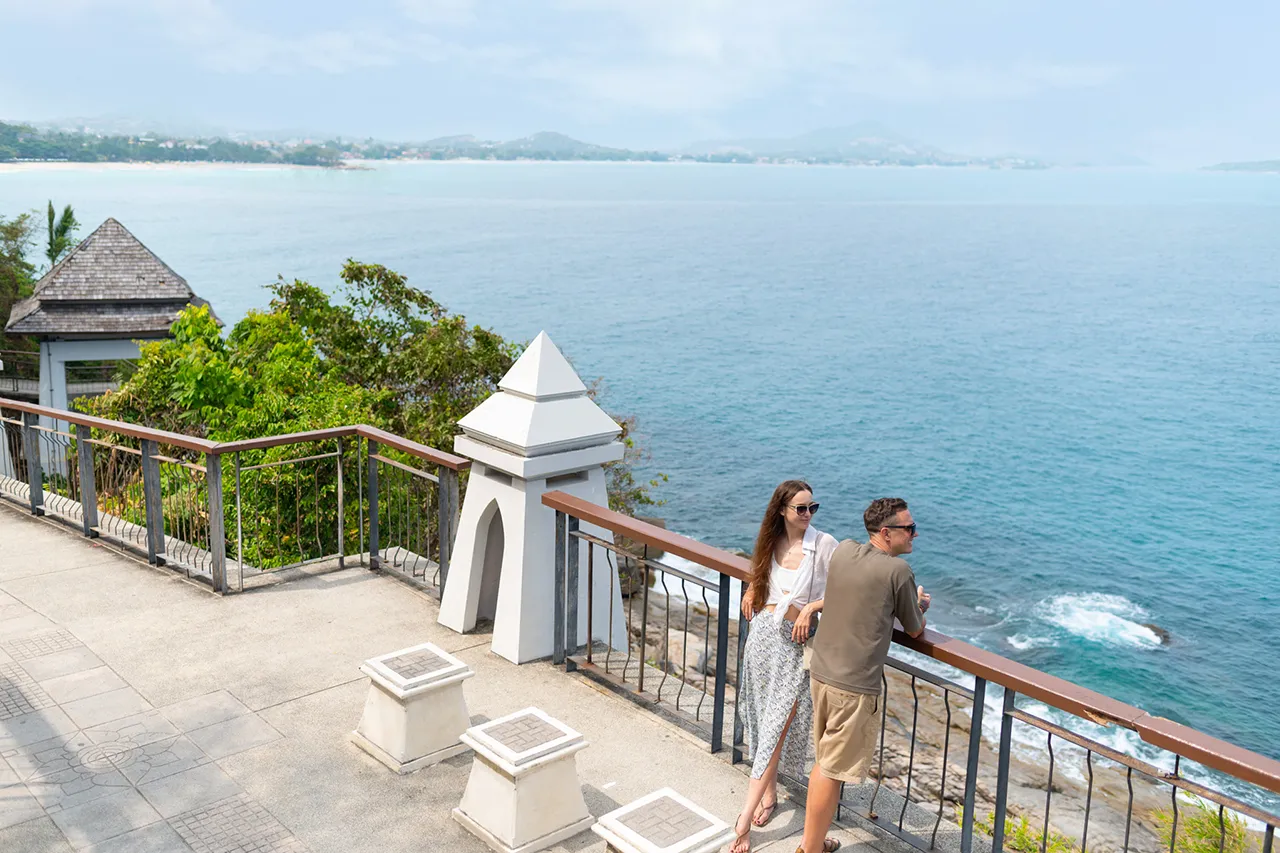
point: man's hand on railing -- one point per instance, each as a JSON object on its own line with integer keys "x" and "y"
{"x": 924, "y": 598}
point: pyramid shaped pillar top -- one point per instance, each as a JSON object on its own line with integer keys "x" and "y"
{"x": 541, "y": 411}
{"x": 543, "y": 373}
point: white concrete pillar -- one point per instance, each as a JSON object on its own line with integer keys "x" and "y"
{"x": 539, "y": 433}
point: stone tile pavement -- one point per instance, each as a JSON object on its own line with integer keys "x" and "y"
{"x": 141, "y": 713}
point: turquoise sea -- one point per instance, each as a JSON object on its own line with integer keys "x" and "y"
{"x": 1072, "y": 376}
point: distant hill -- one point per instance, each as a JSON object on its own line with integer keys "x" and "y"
{"x": 866, "y": 143}
{"x": 1251, "y": 166}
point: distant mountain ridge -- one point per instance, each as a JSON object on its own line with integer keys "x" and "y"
{"x": 1247, "y": 166}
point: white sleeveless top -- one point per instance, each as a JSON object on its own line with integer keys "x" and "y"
{"x": 807, "y": 582}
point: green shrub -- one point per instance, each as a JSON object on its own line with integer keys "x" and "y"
{"x": 1199, "y": 829}
{"x": 1020, "y": 836}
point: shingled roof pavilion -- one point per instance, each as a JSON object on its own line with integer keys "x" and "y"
{"x": 108, "y": 293}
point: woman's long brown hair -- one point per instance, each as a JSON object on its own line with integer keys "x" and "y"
{"x": 772, "y": 529}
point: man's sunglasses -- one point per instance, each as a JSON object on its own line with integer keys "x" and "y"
{"x": 805, "y": 509}
{"x": 910, "y": 528}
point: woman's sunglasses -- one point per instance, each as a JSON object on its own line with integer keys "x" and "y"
{"x": 805, "y": 509}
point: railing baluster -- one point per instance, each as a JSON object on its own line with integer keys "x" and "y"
{"x": 1002, "y": 772}
{"x": 591, "y": 599}
{"x": 911, "y": 756}
{"x": 217, "y": 523}
{"x": 884, "y": 716}
{"x": 1128, "y": 815}
{"x": 644, "y": 620}
{"x": 153, "y": 507}
{"x": 1088, "y": 802}
{"x": 342, "y": 511}
{"x": 946, "y": 753}
{"x": 1048, "y": 798}
{"x": 971, "y": 765}
{"x": 557, "y": 628}
{"x": 374, "y": 554}
{"x": 1173, "y": 791}
{"x": 1268, "y": 838}
{"x": 88, "y": 485}
{"x": 573, "y": 545}
{"x": 722, "y": 664}
{"x": 35, "y": 472}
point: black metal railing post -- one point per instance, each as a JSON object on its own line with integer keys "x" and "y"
{"x": 35, "y": 470}
{"x": 446, "y": 503}
{"x": 738, "y": 726}
{"x": 971, "y": 766}
{"x": 153, "y": 509}
{"x": 374, "y": 558}
{"x": 722, "y": 665}
{"x": 88, "y": 486}
{"x": 342, "y": 512}
{"x": 572, "y": 547}
{"x": 1002, "y": 772}
{"x": 557, "y": 629}
{"x": 217, "y": 523}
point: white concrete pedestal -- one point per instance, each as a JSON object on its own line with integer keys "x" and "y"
{"x": 663, "y": 822}
{"x": 523, "y": 794}
{"x": 415, "y": 713}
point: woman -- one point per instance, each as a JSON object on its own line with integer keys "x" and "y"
{"x": 788, "y": 580}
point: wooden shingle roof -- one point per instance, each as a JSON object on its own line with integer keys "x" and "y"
{"x": 108, "y": 285}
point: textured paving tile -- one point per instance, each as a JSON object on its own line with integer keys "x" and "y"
{"x": 141, "y": 728}
{"x": 79, "y": 685}
{"x": 48, "y": 642}
{"x": 105, "y": 818}
{"x": 19, "y": 694}
{"x": 34, "y": 727}
{"x": 188, "y": 790}
{"x": 18, "y": 806}
{"x": 44, "y": 667}
{"x": 524, "y": 733}
{"x": 415, "y": 664}
{"x": 664, "y": 822}
{"x": 34, "y": 836}
{"x": 105, "y": 707}
{"x": 156, "y": 838}
{"x": 234, "y": 735}
{"x": 201, "y": 711}
{"x": 235, "y": 825}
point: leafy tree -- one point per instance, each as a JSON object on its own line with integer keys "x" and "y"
{"x": 17, "y": 275}
{"x": 61, "y": 230}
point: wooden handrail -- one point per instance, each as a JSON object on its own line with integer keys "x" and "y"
{"x": 175, "y": 439}
{"x": 1056, "y": 692}
{"x": 190, "y": 442}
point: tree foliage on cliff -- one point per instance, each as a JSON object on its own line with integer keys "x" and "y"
{"x": 383, "y": 353}
{"x": 17, "y": 274}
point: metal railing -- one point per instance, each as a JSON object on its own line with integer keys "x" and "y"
{"x": 1165, "y": 789}
{"x": 20, "y": 374}
{"x": 227, "y": 512}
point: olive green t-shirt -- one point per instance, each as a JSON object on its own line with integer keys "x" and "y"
{"x": 866, "y": 590}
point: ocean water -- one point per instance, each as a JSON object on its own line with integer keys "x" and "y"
{"x": 1071, "y": 376}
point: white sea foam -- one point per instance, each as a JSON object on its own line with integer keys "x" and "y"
{"x": 1022, "y": 642}
{"x": 1100, "y": 618}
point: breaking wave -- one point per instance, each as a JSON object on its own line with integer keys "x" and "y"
{"x": 1100, "y": 618}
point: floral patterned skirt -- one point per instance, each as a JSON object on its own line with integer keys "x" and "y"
{"x": 773, "y": 682}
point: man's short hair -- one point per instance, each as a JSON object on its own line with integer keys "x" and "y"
{"x": 881, "y": 511}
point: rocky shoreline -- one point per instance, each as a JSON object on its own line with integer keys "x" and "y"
{"x": 685, "y": 655}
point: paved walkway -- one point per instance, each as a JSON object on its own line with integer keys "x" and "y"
{"x": 140, "y": 713}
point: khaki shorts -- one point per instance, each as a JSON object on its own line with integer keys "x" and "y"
{"x": 845, "y": 731}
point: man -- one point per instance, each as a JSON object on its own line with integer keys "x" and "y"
{"x": 868, "y": 586}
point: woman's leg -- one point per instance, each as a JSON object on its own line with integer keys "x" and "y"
{"x": 769, "y": 797}
{"x": 756, "y": 789}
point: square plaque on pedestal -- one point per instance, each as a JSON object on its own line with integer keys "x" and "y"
{"x": 663, "y": 822}
{"x": 523, "y": 793}
{"x": 415, "y": 713}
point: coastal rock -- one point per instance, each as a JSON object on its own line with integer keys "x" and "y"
{"x": 1161, "y": 633}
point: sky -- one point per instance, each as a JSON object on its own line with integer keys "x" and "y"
{"x": 1174, "y": 83}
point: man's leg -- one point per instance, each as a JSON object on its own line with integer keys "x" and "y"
{"x": 819, "y": 809}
